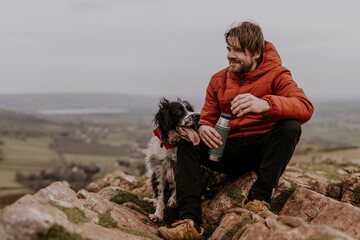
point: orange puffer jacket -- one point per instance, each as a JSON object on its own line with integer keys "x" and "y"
{"x": 271, "y": 82}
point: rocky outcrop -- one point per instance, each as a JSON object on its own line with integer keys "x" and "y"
{"x": 243, "y": 225}
{"x": 347, "y": 190}
{"x": 85, "y": 214}
{"x": 318, "y": 209}
{"x": 113, "y": 208}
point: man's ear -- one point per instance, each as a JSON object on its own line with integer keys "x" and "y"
{"x": 257, "y": 55}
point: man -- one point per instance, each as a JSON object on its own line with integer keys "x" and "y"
{"x": 267, "y": 108}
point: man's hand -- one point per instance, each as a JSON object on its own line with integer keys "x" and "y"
{"x": 246, "y": 103}
{"x": 209, "y": 136}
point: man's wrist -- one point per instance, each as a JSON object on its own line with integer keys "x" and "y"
{"x": 199, "y": 126}
{"x": 266, "y": 106}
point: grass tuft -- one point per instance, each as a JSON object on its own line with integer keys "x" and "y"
{"x": 58, "y": 232}
{"x": 237, "y": 227}
{"x": 357, "y": 194}
{"x": 123, "y": 197}
{"x": 139, "y": 233}
{"x": 233, "y": 192}
{"x": 170, "y": 214}
{"x": 74, "y": 214}
{"x": 107, "y": 221}
{"x": 278, "y": 203}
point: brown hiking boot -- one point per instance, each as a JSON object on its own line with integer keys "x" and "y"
{"x": 182, "y": 230}
{"x": 261, "y": 208}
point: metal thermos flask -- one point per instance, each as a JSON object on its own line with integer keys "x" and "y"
{"x": 223, "y": 128}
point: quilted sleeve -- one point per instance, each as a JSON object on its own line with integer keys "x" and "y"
{"x": 288, "y": 100}
{"x": 211, "y": 110}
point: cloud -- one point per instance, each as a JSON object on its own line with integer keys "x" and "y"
{"x": 168, "y": 47}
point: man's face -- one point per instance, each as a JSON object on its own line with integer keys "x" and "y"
{"x": 240, "y": 60}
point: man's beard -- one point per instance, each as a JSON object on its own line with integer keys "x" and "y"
{"x": 241, "y": 70}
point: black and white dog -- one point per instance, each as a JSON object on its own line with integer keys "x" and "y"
{"x": 174, "y": 120}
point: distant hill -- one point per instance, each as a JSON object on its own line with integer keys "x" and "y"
{"x": 40, "y": 102}
{"x": 334, "y": 121}
{"x": 20, "y": 123}
{"x": 19, "y": 117}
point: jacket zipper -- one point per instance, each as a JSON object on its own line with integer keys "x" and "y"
{"x": 241, "y": 79}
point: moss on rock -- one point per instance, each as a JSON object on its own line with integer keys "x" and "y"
{"x": 74, "y": 214}
{"x": 139, "y": 233}
{"x": 238, "y": 227}
{"x": 357, "y": 194}
{"x": 170, "y": 214}
{"x": 233, "y": 192}
{"x": 278, "y": 202}
{"x": 58, "y": 232}
{"x": 123, "y": 197}
{"x": 107, "y": 221}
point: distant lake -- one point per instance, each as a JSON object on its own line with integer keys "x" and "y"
{"x": 75, "y": 111}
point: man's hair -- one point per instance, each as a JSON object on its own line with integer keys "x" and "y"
{"x": 248, "y": 34}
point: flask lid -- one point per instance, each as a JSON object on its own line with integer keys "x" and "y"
{"x": 226, "y": 116}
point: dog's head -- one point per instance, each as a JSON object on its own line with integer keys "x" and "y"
{"x": 177, "y": 118}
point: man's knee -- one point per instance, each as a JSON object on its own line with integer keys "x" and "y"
{"x": 289, "y": 128}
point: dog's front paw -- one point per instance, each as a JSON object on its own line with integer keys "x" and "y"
{"x": 171, "y": 202}
{"x": 150, "y": 200}
{"x": 156, "y": 218}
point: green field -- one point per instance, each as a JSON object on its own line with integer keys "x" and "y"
{"x": 110, "y": 141}
{"x": 23, "y": 156}
{"x": 25, "y": 152}
{"x": 115, "y": 141}
{"x": 73, "y": 140}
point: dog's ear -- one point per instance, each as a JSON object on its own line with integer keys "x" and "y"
{"x": 163, "y": 102}
{"x": 163, "y": 120}
{"x": 189, "y": 106}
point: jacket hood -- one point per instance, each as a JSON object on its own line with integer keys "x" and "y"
{"x": 271, "y": 59}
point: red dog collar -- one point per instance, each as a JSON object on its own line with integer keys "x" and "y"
{"x": 166, "y": 145}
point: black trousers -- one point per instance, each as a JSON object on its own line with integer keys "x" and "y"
{"x": 267, "y": 154}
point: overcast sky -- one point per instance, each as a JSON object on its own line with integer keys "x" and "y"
{"x": 167, "y": 47}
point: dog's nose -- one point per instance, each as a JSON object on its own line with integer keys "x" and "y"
{"x": 196, "y": 117}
